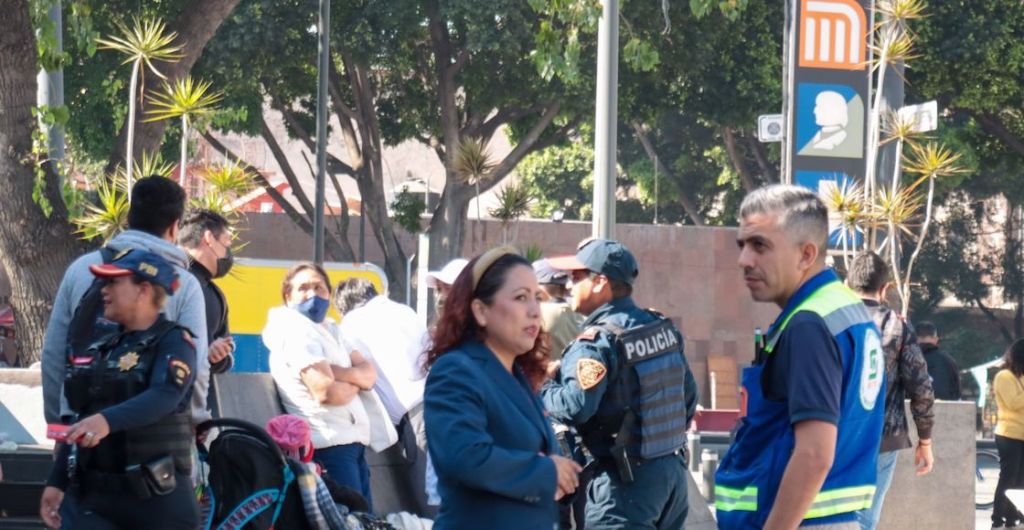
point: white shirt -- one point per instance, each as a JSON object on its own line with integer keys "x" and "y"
{"x": 392, "y": 336}
{"x": 295, "y": 343}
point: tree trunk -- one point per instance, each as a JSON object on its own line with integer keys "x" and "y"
{"x": 447, "y": 226}
{"x": 689, "y": 206}
{"x": 34, "y": 248}
{"x": 746, "y": 179}
{"x": 196, "y": 25}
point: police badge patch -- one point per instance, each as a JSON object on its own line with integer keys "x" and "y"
{"x": 128, "y": 361}
{"x": 178, "y": 372}
{"x": 589, "y": 372}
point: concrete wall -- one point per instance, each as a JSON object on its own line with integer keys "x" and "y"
{"x": 687, "y": 273}
{"x": 944, "y": 498}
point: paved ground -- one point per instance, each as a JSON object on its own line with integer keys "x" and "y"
{"x": 982, "y": 519}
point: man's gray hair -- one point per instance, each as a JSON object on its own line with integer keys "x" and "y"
{"x": 802, "y": 214}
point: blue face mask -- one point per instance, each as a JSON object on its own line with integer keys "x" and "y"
{"x": 314, "y": 308}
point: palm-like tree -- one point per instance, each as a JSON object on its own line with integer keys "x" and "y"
{"x": 142, "y": 44}
{"x": 473, "y": 163}
{"x": 185, "y": 98}
{"x": 108, "y": 215}
{"x": 513, "y": 202}
{"x": 225, "y": 184}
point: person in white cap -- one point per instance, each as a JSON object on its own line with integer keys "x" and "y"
{"x": 441, "y": 281}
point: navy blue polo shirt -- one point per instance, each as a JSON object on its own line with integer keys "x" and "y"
{"x": 805, "y": 369}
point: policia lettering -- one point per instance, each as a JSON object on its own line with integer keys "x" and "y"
{"x": 649, "y": 341}
{"x": 109, "y": 373}
{"x": 659, "y": 411}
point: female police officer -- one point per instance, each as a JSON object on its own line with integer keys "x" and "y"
{"x": 127, "y": 459}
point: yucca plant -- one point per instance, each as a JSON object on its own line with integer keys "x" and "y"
{"x": 472, "y": 163}
{"x": 185, "y": 99}
{"x": 108, "y": 215}
{"x": 931, "y": 161}
{"x": 143, "y": 44}
{"x": 896, "y": 45}
{"x": 225, "y": 183}
{"x": 513, "y": 202}
{"x": 846, "y": 199}
{"x": 147, "y": 166}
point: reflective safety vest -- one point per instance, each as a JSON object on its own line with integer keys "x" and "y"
{"x": 747, "y": 481}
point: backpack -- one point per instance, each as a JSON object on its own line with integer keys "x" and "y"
{"x": 87, "y": 324}
{"x": 250, "y": 484}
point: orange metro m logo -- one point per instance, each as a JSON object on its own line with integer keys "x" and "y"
{"x": 833, "y": 35}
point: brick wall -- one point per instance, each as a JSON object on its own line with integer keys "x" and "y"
{"x": 687, "y": 273}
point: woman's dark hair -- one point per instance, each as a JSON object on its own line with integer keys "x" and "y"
{"x": 456, "y": 323}
{"x": 1013, "y": 360}
{"x": 286, "y": 285}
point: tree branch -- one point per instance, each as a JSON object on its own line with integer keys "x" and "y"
{"x": 1007, "y": 336}
{"x": 684, "y": 198}
{"x": 525, "y": 146}
{"x": 993, "y": 125}
{"x": 286, "y": 167}
{"x": 445, "y": 77}
{"x": 334, "y": 164}
{"x": 761, "y": 155}
{"x": 746, "y": 179}
{"x": 289, "y": 210}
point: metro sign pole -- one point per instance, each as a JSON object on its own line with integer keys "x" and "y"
{"x": 828, "y": 91}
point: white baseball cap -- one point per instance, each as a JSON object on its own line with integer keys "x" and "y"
{"x": 447, "y": 274}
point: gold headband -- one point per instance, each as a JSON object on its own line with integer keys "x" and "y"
{"x": 488, "y": 258}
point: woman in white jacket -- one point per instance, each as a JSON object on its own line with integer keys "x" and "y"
{"x": 320, "y": 381}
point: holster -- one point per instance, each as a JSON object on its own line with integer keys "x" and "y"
{"x": 153, "y": 478}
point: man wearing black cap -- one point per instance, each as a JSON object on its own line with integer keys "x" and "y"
{"x": 557, "y": 317}
{"x": 126, "y": 461}
{"x": 626, "y": 387}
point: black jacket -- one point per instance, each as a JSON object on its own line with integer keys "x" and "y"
{"x": 944, "y": 371}
{"x": 216, "y": 312}
{"x": 906, "y": 376}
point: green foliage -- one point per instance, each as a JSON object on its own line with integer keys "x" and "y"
{"x": 106, "y": 217}
{"x": 560, "y": 178}
{"x": 533, "y": 252}
{"x": 513, "y": 202}
{"x": 183, "y": 97}
{"x": 408, "y": 209}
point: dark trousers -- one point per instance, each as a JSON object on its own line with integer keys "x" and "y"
{"x": 1011, "y": 476}
{"x": 177, "y": 510}
{"x": 346, "y": 465}
{"x": 655, "y": 500}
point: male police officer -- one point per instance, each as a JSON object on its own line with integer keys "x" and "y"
{"x": 806, "y": 450}
{"x": 127, "y": 459}
{"x": 625, "y": 385}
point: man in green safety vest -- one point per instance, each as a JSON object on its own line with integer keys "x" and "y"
{"x": 806, "y": 451}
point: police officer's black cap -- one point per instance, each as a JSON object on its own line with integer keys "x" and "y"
{"x": 602, "y": 256}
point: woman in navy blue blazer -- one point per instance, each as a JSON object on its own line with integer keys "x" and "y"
{"x": 495, "y": 454}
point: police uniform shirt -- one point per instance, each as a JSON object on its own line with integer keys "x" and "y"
{"x": 170, "y": 382}
{"x": 805, "y": 370}
{"x": 169, "y": 388}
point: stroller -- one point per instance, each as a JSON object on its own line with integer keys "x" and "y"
{"x": 250, "y": 485}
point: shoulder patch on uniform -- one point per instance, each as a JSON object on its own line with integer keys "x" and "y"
{"x": 178, "y": 372}
{"x": 590, "y": 372}
{"x": 588, "y": 334}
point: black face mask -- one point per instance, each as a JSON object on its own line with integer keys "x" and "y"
{"x": 224, "y": 264}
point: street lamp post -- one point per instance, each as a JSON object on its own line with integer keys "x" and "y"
{"x": 324, "y": 34}
{"x": 606, "y": 122}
